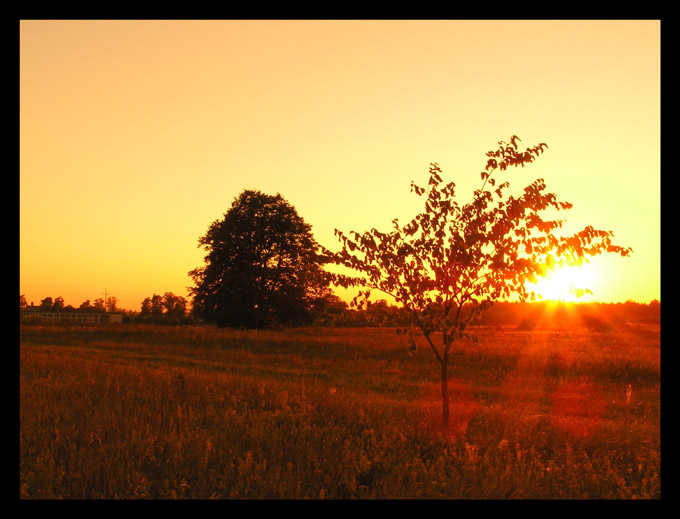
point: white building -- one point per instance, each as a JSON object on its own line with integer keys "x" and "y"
{"x": 67, "y": 315}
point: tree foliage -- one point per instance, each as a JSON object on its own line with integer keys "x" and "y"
{"x": 262, "y": 266}
{"x": 451, "y": 262}
{"x": 167, "y": 309}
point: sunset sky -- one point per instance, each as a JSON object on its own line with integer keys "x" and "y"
{"x": 136, "y": 135}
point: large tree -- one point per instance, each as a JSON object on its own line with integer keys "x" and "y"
{"x": 262, "y": 266}
{"x": 451, "y": 262}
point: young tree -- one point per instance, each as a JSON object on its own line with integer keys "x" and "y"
{"x": 451, "y": 262}
{"x": 262, "y": 266}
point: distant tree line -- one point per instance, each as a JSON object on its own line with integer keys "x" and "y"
{"x": 165, "y": 309}
{"x": 519, "y": 315}
{"x": 332, "y": 311}
{"x": 598, "y": 316}
{"x": 99, "y": 305}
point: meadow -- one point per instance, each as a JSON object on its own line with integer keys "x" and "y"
{"x": 135, "y": 411}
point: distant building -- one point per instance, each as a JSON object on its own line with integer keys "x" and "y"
{"x": 36, "y": 313}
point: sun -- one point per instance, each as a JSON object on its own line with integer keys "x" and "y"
{"x": 568, "y": 284}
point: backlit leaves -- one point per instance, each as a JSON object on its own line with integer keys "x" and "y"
{"x": 451, "y": 261}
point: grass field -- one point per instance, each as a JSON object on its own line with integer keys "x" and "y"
{"x": 160, "y": 412}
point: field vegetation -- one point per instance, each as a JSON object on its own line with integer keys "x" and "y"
{"x": 136, "y": 411}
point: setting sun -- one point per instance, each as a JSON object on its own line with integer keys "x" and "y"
{"x": 568, "y": 284}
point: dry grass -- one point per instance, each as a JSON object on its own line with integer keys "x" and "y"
{"x": 188, "y": 412}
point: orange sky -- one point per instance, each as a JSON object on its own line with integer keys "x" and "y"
{"x": 136, "y": 135}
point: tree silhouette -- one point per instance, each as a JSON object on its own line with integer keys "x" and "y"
{"x": 152, "y": 306}
{"x": 262, "y": 266}
{"x": 168, "y": 309}
{"x": 451, "y": 262}
{"x": 175, "y": 306}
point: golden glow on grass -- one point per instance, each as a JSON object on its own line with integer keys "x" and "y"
{"x": 155, "y": 412}
{"x": 577, "y": 407}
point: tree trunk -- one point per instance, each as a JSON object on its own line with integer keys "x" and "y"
{"x": 445, "y": 392}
